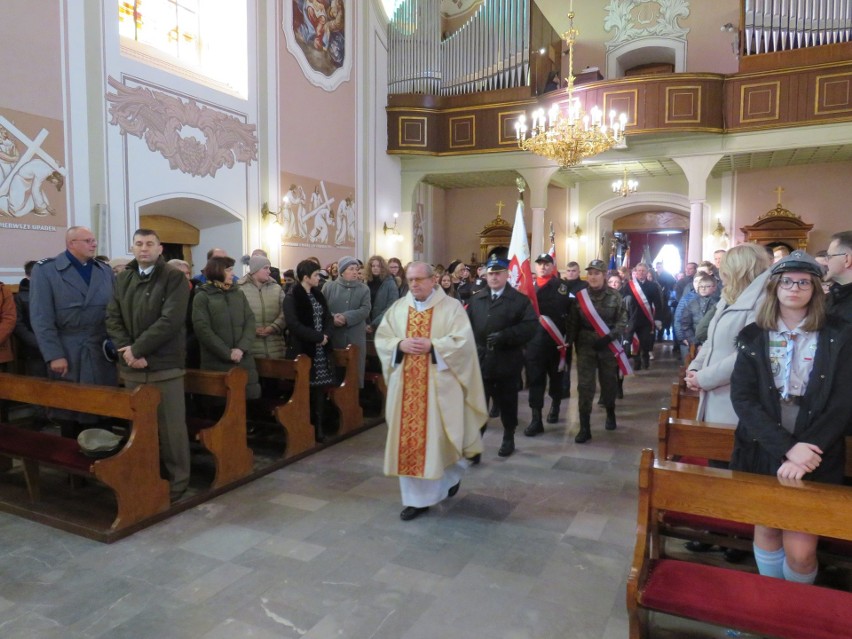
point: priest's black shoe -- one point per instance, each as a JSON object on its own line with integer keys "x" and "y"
{"x": 410, "y": 512}
{"x": 453, "y": 490}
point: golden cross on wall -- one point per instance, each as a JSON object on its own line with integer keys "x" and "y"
{"x": 779, "y": 191}
{"x": 500, "y": 206}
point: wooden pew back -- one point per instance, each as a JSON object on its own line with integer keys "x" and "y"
{"x": 134, "y": 472}
{"x": 345, "y": 396}
{"x": 226, "y": 439}
{"x": 295, "y": 414}
{"x": 819, "y": 509}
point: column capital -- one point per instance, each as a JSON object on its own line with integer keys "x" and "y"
{"x": 697, "y": 169}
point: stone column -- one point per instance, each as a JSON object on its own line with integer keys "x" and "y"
{"x": 697, "y": 169}
{"x": 537, "y": 179}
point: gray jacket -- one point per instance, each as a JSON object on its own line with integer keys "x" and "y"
{"x": 68, "y": 318}
{"x": 352, "y": 299}
{"x": 387, "y": 294}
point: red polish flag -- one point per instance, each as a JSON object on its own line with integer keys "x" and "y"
{"x": 520, "y": 273}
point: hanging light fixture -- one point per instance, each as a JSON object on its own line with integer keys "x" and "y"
{"x": 625, "y": 187}
{"x": 568, "y": 137}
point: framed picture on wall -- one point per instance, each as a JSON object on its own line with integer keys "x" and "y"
{"x": 319, "y": 35}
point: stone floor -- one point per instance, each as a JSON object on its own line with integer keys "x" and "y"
{"x": 534, "y": 546}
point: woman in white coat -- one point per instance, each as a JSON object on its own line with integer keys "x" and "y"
{"x": 744, "y": 272}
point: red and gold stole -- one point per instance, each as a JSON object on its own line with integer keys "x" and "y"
{"x": 415, "y": 395}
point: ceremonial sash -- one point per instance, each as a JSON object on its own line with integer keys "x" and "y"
{"x": 591, "y": 314}
{"x": 639, "y": 294}
{"x": 556, "y": 335}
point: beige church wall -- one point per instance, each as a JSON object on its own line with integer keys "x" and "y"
{"x": 317, "y": 134}
{"x": 708, "y": 48}
{"x": 818, "y": 193}
{"x": 31, "y": 107}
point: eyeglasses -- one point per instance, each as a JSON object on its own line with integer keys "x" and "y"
{"x": 787, "y": 284}
{"x": 830, "y": 255}
{"x": 417, "y": 280}
{"x": 91, "y": 240}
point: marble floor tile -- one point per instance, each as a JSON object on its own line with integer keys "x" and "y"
{"x": 535, "y": 546}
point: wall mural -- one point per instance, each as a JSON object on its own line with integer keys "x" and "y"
{"x": 317, "y": 34}
{"x": 160, "y": 118}
{"x": 28, "y": 174}
{"x": 316, "y": 215}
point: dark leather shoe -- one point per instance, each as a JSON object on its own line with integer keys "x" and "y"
{"x": 476, "y": 459}
{"x": 535, "y": 428}
{"x": 495, "y": 411}
{"x": 410, "y": 512}
{"x": 453, "y": 490}
{"x": 698, "y": 546}
{"x": 506, "y": 448}
{"x": 735, "y": 555}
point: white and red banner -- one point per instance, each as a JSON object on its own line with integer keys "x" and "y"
{"x": 602, "y": 329}
{"x": 521, "y": 277}
{"x": 520, "y": 272}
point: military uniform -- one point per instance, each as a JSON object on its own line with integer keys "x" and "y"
{"x": 68, "y": 316}
{"x": 542, "y": 354}
{"x": 501, "y": 328}
{"x": 594, "y": 357}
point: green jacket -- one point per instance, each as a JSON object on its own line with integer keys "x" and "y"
{"x": 609, "y": 305}
{"x": 222, "y": 321}
{"x": 148, "y": 314}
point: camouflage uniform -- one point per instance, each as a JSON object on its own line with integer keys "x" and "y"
{"x": 597, "y": 361}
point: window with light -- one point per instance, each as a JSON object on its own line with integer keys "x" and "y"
{"x": 205, "y": 37}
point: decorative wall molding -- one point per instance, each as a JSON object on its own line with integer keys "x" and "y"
{"x": 632, "y": 19}
{"x": 158, "y": 118}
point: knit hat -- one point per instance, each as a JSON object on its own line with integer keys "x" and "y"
{"x": 452, "y": 267}
{"x": 345, "y": 262}
{"x": 257, "y": 262}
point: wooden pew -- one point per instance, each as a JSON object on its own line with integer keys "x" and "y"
{"x": 728, "y": 597}
{"x": 133, "y": 474}
{"x": 684, "y": 402}
{"x": 294, "y": 415}
{"x": 692, "y": 441}
{"x": 224, "y": 439}
{"x": 376, "y": 378}
{"x": 345, "y": 396}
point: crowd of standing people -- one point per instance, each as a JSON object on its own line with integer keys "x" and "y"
{"x": 772, "y": 348}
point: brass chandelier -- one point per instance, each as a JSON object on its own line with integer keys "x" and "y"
{"x": 625, "y": 187}
{"x": 568, "y": 137}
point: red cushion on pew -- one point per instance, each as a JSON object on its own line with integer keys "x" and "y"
{"x": 732, "y": 598}
{"x": 695, "y": 461}
{"x": 51, "y": 449}
{"x": 710, "y": 524}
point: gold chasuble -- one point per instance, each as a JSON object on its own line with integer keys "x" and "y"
{"x": 435, "y": 406}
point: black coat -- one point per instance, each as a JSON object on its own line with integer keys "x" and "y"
{"x": 824, "y": 415}
{"x": 554, "y": 300}
{"x": 840, "y": 301}
{"x": 299, "y": 315}
{"x": 636, "y": 316}
{"x": 513, "y": 317}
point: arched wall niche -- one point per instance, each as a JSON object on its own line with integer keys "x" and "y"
{"x": 645, "y": 50}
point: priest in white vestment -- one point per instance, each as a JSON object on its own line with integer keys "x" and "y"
{"x": 436, "y": 402}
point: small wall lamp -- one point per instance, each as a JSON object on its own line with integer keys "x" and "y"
{"x": 391, "y": 230}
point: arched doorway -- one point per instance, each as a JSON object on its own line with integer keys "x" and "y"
{"x": 191, "y": 225}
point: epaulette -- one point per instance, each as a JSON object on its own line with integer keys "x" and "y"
{"x": 45, "y": 260}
